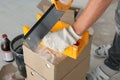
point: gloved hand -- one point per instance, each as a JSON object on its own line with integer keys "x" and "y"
{"x": 61, "y": 39}
{"x": 65, "y": 1}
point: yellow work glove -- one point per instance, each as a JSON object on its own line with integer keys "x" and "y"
{"x": 61, "y": 39}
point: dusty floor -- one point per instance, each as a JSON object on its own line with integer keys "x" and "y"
{"x": 104, "y": 32}
{"x": 15, "y": 14}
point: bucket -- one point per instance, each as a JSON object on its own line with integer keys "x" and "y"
{"x": 16, "y": 49}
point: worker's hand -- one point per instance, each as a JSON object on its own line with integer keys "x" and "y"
{"x": 65, "y": 2}
{"x": 60, "y": 40}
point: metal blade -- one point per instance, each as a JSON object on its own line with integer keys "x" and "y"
{"x": 42, "y": 27}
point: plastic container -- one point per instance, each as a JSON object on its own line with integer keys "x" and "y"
{"x": 16, "y": 48}
{"x": 5, "y": 47}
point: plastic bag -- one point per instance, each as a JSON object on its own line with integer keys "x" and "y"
{"x": 53, "y": 57}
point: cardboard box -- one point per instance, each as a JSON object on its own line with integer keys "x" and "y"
{"x": 32, "y": 75}
{"x": 54, "y": 72}
{"x": 48, "y": 70}
{"x": 78, "y": 73}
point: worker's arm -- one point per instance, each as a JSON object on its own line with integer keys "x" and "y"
{"x": 60, "y": 40}
{"x": 93, "y": 10}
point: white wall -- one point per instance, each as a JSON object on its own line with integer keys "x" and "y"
{"x": 80, "y": 3}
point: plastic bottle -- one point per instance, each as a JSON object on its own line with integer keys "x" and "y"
{"x": 5, "y": 47}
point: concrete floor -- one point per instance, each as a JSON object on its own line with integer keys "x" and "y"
{"x": 14, "y": 14}
{"x": 104, "y": 32}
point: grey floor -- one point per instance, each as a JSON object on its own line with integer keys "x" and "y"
{"x": 14, "y": 14}
{"x": 104, "y": 32}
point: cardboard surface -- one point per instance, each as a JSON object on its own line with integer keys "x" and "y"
{"x": 78, "y": 72}
{"x": 38, "y": 64}
{"x": 50, "y": 71}
{"x": 53, "y": 72}
{"x": 68, "y": 17}
{"x": 32, "y": 75}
